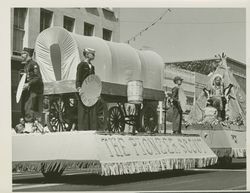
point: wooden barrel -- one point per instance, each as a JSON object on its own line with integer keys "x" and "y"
{"x": 135, "y": 91}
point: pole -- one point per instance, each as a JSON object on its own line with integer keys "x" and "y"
{"x": 137, "y": 118}
{"x": 165, "y": 115}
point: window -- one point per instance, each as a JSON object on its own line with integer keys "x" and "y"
{"x": 88, "y": 29}
{"x": 18, "y": 30}
{"x": 92, "y": 11}
{"x": 68, "y": 23}
{"x": 109, "y": 14}
{"x": 45, "y": 19}
{"x": 107, "y": 34}
{"x": 190, "y": 100}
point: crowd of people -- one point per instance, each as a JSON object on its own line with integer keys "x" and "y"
{"x": 30, "y": 127}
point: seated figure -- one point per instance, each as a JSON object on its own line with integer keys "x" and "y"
{"x": 218, "y": 95}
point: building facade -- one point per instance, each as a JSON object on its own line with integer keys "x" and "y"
{"x": 27, "y": 23}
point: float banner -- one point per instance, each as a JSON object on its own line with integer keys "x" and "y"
{"x": 136, "y": 154}
{"x": 108, "y": 154}
{"x": 232, "y": 145}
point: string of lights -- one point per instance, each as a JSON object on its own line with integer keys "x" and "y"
{"x": 148, "y": 27}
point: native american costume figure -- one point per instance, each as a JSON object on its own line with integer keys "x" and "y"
{"x": 218, "y": 95}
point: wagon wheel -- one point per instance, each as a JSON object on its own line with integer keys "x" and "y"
{"x": 57, "y": 115}
{"x": 102, "y": 115}
{"x": 148, "y": 119}
{"x": 116, "y": 120}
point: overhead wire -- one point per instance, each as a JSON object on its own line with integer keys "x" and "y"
{"x": 195, "y": 23}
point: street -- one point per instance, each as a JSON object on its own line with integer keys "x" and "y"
{"x": 231, "y": 178}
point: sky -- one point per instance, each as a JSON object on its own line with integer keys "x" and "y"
{"x": 187, "y": 33}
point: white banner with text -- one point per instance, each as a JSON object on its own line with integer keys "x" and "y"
{"x": 134, "y": 154}
{"x": 108, "y": 154}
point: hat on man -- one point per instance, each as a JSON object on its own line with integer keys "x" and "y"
{"x": 29, "y": 51}
{"x": 88, "y": 50}
{"x": 177, "y": 78}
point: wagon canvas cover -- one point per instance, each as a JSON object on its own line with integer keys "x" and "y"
{"x": 58, "y": 52}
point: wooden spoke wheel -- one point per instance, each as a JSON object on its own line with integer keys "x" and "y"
{"x": 148, "y": 118}
{"x": 116, "y": 120}
{"x": 102, "y": 115}
{"x": 57, "y": 115}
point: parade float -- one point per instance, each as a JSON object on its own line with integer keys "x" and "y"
{"x": 130, "y": 89}
{"x": 222, "y": 128}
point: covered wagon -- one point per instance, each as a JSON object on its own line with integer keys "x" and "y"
{"x": 58, "y": 53}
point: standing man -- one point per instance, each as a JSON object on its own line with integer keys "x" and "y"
{"x": 33, "y": 87}
{"x": 84, "y": 69}
{"x": 177, "y": 110}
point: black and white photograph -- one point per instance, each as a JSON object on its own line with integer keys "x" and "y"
{"x": 127, "y": 98}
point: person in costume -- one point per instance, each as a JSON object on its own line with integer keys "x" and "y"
{"x": 33, "y": 87}
{"x": 86, "y": 115}
{"x": 220, "y": 96}
{"x": 85, "y": 67}
{"x": 217, "y": 95}
{"x": 177, "y": 110}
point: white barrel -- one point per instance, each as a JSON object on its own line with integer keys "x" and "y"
{"x": 135, "y": 91}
